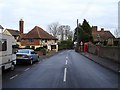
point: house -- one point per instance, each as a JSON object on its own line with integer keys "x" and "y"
{"x": 17, "y": 34}
{"x": 101, "y": 35}
{"x": 1, "y": 29}
{"x": 14, "y": 33}
{"x": 37, "y": 37}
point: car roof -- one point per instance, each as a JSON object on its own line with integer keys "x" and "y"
{"x": 27, "y": 49}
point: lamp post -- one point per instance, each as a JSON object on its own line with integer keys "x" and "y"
{"x": 77, "y": 44}
{"x": 77, "y": 31}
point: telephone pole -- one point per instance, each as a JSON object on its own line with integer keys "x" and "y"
{"x": 77, "y": 44}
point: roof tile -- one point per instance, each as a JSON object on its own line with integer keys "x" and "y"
{"x": 38, "y": 33}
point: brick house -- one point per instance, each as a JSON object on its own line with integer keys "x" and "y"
{"x": 37, "y": 37}
{"x": 101, "y": 35}
{"x": 14, "y": 33}
{"x": 1, "y": 29}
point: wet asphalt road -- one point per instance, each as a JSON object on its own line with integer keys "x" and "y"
{"x": 66, "y": 69}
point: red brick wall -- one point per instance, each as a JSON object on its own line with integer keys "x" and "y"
{"x": 29, "y": 43}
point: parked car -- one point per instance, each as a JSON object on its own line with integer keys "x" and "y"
{"x": 26, "y": 55}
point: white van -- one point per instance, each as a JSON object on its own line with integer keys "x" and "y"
{"x": 7, "y": 55}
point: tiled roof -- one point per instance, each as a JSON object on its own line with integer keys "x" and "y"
{"x": 104, "y": 35}
{"x": 38, "y": 33}
{"x": 13, "y": 32}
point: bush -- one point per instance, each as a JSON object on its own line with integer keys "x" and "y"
{"x": 65, "y": 45}
{"x": 42, "y": 50}
{"x": 27, "y": 47}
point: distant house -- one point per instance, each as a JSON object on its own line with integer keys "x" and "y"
{"x": 1, "y": 29}
{"x": 14, "y": 33}
{"x": 37, "y": 37}
{"x": 101, "y": 35}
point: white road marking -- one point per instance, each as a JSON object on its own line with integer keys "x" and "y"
{"x": 14, "y": 76}
{"x": 27, "y": 69}
{"x": 65, "y": 73}
{"x": 66, "y": 57}
{"x": 66, "y": 62}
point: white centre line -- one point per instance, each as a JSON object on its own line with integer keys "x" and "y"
{"x": 66, "y": 62}
{"x": 27, "y": 69}
{"x": 14, "y": 76}
{"x": 67, "y": 57}
{"x": 65, "y": 73}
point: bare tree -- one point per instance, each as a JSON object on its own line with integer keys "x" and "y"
{"x": 64, "y": 32}
{"x": 70, "y": 35}
{"x": 53, "y": 28}
{"x": 117, "y": 33}
{"x": 61, "y": 32}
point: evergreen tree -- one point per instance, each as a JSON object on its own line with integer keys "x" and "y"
{"x": 87, "y": 31}
{"x": 83, "y": 32}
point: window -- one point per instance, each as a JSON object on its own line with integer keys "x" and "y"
{"x": 53, "y": 47}
{"x": 14, "y": 48}
{"x": 23, "y": 51}
{"x": 45, "y": 41}
{"x": 3, "y": 44}
{"x": 33, "y": 52}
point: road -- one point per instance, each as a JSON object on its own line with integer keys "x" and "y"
{"x": 66, "y": 69}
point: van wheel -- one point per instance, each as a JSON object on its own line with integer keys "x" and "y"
{"x": 12, "y": 67}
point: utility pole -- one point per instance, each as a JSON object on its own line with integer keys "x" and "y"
{"x": 77, "y": 31}
{"x": 77, "y": 44}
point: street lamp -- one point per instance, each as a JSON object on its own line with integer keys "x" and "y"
{"x": 77, "y": 44}
{"x": 77, "y": 31}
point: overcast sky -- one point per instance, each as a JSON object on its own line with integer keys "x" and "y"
{"x": 103, "y": 13}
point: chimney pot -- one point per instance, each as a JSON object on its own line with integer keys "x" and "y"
{"x": 94, "y": 28}
{"x": 102, "y": 29}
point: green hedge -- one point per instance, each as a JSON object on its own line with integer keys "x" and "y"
{"x": 42, "y": 50}
{"x": 65, "y": 45}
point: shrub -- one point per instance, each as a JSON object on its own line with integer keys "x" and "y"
{"x": 65, "y": 45}
{"x": 42, "y": 50}
{"x": 27, "y": 47}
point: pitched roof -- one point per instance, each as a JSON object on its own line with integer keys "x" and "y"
{"x": 13, "y": 32}
{"x": 104, "y": 35}
{"x": 39, "y": 33}
{"x": 1, "y": 27}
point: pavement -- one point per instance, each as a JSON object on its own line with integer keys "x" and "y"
{"x": 107, "y": 63}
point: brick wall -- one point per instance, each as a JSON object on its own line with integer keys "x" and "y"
{"x": 112, "y": 53}
{"x": 29, "y": 43}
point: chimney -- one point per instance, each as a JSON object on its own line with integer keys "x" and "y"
{"x": 94, "y": 28}
{"x": 102, "y": 29}
{"x": 21, "y": 25}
